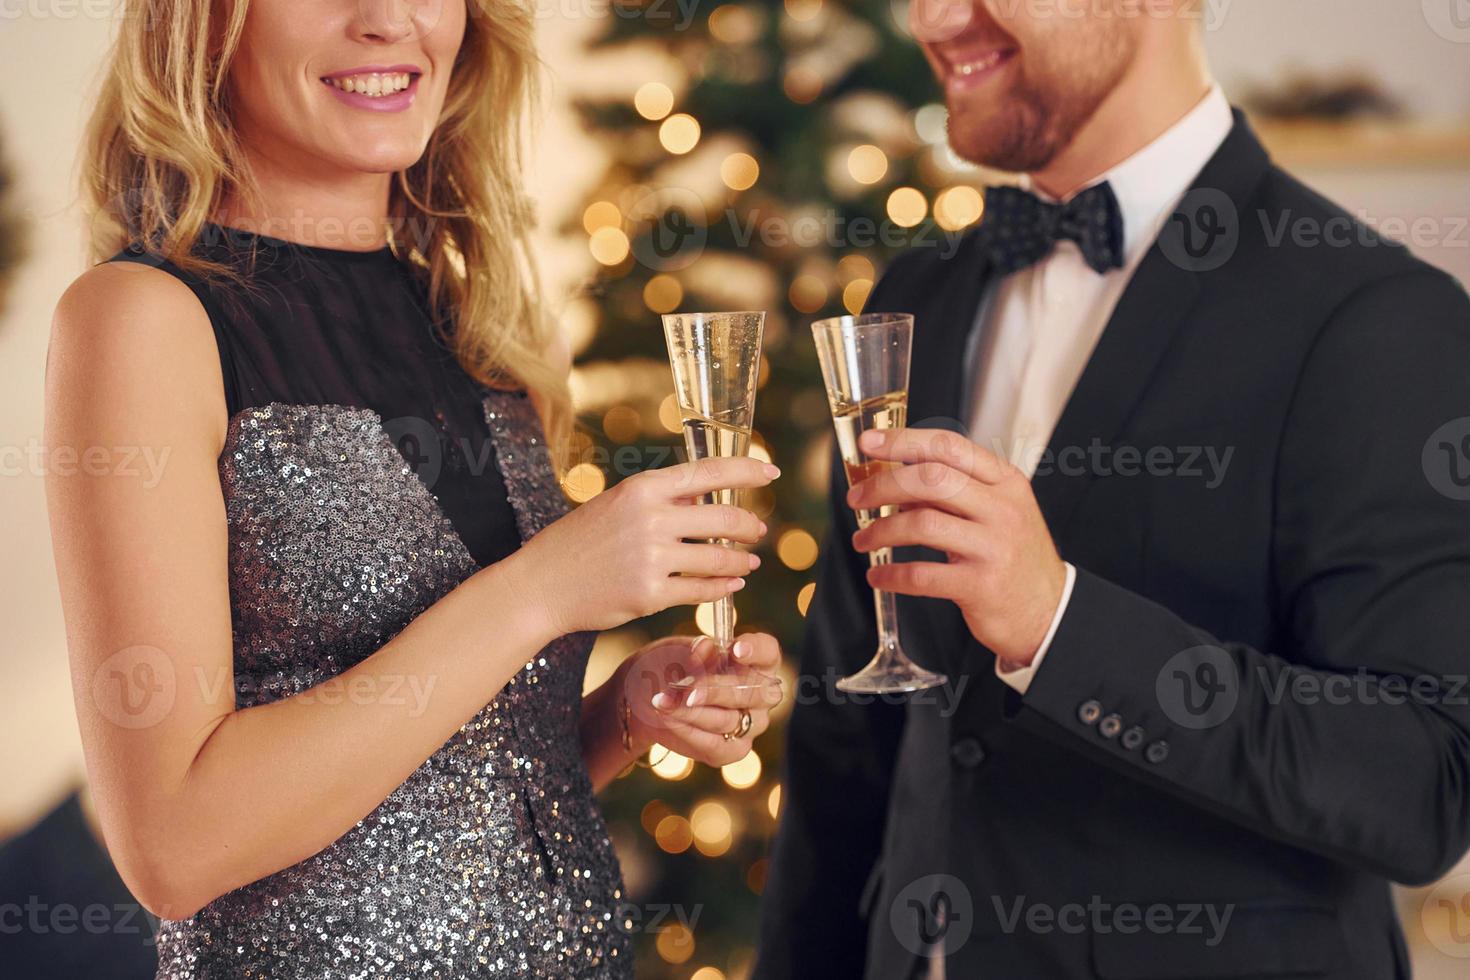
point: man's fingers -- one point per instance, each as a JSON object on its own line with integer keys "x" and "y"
{"x": 935, "y": 484}
{"x": 912, "y": 446}
{"x": 926, "y": 526}
{"x": 936, "y": 580}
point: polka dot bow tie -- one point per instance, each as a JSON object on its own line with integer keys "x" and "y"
{"x": 1020, "y": 229}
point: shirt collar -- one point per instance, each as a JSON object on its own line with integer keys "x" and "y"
{"x": 1150, "y": 183}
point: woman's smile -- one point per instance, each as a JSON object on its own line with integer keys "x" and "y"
{"x": 390, "y": 89}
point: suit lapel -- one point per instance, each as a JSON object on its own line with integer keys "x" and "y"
{"x": 1149, "y": 315}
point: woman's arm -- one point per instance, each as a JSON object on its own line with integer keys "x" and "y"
{"x": 200, "y": 798}
{"x": 206, "y": 798}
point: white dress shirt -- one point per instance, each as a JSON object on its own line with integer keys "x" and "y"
{"x": 1036, "y": 328}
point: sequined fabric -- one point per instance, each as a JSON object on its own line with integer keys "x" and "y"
{"x": 492, "y": 859}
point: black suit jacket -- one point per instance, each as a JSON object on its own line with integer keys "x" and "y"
{"x": 1253, "y": 715}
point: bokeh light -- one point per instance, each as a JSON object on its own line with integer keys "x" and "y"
{"x": 797, "y": 549}
{"x": 958, "y": 207}
{"x": 674, "y": 834}
{"x": 867, "y": 164}
{"x": 653, "y": 100}
{"x": 601, "y": 214}
{"x": 663, "y": 293}
{"x": 679, "y": 133}
{"x": 804, "y": 597}
{"x": 808, "y": 293}
{"x": 740, "y": 171}
{"x": 675, "y": 943}
{"x": 907, "y": 206}
{"x": 584, "y": 481}
{"x": 670, "y": 764}
{"x": 855, "y": 295}
{"x": 609, "y": 245}
{"x": 742, "y": 774}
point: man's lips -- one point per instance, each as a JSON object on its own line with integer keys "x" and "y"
{"x": 968, "y": 69}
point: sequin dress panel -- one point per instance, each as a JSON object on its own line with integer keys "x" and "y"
{"x": 492, "y": 859}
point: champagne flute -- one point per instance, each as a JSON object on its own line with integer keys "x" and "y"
{"x": 865, "y": 365}
{"x": 715, "y": 359}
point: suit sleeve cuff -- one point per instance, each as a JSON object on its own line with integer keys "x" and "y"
{"x": 1019, "y": 678}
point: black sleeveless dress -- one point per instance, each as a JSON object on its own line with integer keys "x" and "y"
{"x": 365, "y": 475}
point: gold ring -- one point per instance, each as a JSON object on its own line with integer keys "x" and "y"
{"x": 743, "y": 728}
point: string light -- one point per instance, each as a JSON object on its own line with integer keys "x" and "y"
{"x": 670, "y": 765}
{"x": 668, "y": 414}
{"x": 712, "y": 827}
{"x": 804, "y": 597}
{"x": 851, "y": 267}
{"x": 802, "y": 10}
{"x": 622, "y": 423}
{"x": 855, "y": 295}
{"x": 584, "y": 481}
{"x": 801, "y": 85}
{"x": 808, "y": 293}
{"x": 797, "y": 549}
{"x": 663, "y": 293}
{"x": 653, "y": 100}
{"x": 740, "y": 171}
{"x": 608, "y": 245}
{"x": 679, "y": 133}
{"x": 958, "y": 207}
{"x": 734, "y": 24}
{"x": 742, "y": 774}
{"x": 674, "y": 834}
{"x": 601, "y": 214}
{"x": 867, "y": 164}
{"x": 675, "y": 943}
{"x": 907, "y": 206}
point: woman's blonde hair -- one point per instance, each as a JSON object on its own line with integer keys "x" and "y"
{"x": 162, "y": 154}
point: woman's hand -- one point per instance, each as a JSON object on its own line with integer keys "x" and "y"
{"x": 623, "y": 554}
{"x": 701, "y": 716}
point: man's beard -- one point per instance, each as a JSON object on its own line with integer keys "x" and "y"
{"x": 1037, "y": 121}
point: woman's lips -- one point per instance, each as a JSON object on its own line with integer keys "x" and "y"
{"x": 969, "y": 71}
{"x": 387, "y": 90}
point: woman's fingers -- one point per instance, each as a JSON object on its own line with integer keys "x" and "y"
{"x": 707, "y": 521}
{"x": 691, "y": 590}
{"x": 734, "y": 689}
{"x": 716, "y": 473}
{"x": 757, "y": 651}
{"x": 713, "y": 560}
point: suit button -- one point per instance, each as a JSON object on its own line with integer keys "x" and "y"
{"x": 1133, "y": 738}
{"x": 967, "y": 753}
{"x": 1110, "y": 726}
{"x": 1157, "y": 752}
{"x": 1088, "y": 712}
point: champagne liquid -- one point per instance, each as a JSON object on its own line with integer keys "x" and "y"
{"x": 888, "y": 411}
{"x": 704, "y": 438}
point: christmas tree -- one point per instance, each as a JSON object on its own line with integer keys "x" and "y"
{"x": 771, "y": 158}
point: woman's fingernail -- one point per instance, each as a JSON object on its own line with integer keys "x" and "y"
{"x": 772, "y": 470}
{"x": 763, "y": 529}
{"x": 695, "y": 698}
{"x": 662, "y": 701}
{"x": 736, "y": 584}
{"x": 741, "y": 650}
{"x": 870, "y": 440}
{"x": 755, "y": 562}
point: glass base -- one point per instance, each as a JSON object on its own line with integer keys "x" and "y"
{"x": 891, "y": 672}
{"x": 730, "y": 676}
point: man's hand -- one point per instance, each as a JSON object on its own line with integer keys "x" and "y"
{"x": 955, "y": 496}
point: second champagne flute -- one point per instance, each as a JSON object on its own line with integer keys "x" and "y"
{"x": 865, "y": 365}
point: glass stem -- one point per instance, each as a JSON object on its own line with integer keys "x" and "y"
{"x": 885, "y": 604}
{"x": 725, "y": 623}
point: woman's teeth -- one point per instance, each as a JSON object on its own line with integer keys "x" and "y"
{"x": 372, "y": 85}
